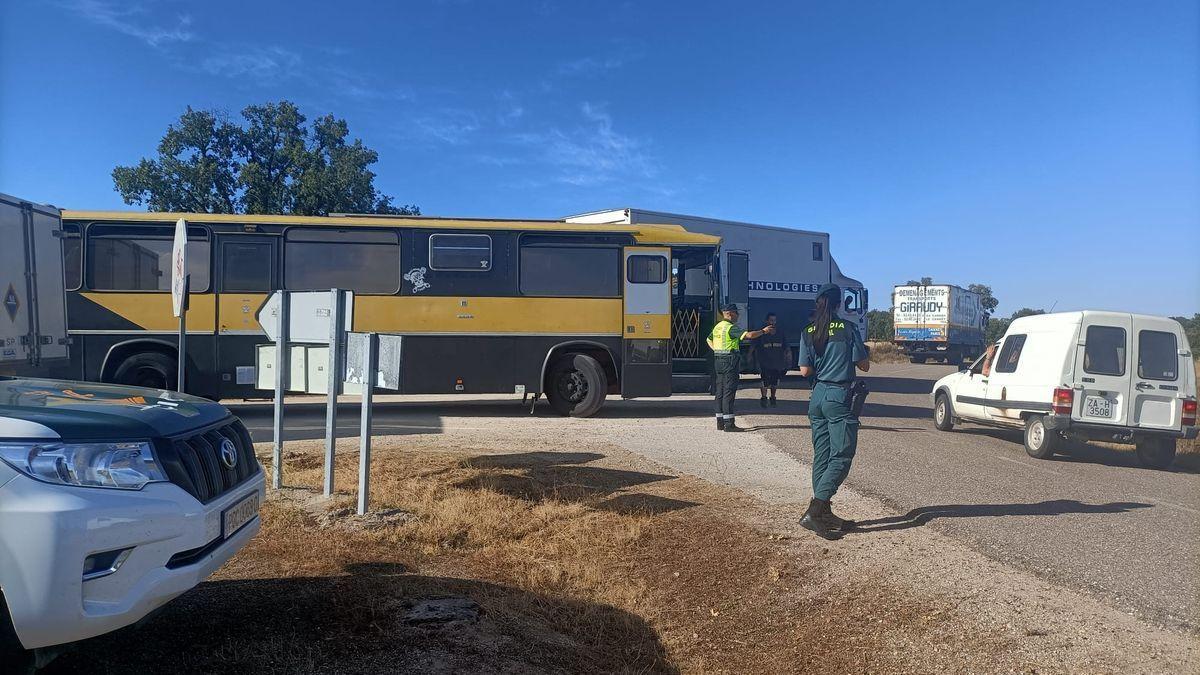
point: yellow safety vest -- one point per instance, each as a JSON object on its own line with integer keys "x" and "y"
{"x": 722, "y": 340}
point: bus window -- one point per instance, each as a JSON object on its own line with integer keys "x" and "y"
{"x": 246, "y": 266}
{"x": 72, "y": 245}
{"x": 121, "y": 258}
{"x": 646, "y": 269}
{"x": 361, "y": 261}
{"x": 460, "y": 252}
{"x": 566, "y": 271}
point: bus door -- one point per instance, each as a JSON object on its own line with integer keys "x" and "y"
{"x": 246, "y": 273}
{"x": 646, "y": 365}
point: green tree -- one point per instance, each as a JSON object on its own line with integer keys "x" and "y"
{"x": 196, "y": 168}
{"x": 925, "y": 281}
{"x": 879, "y": 325}
{"x": 1025, "y": 311}
{"x": 1191, "y": 328}
{"x": 271, "y": 164}
{"x": 986, "y": 299}
{"x": 997, "y": 327}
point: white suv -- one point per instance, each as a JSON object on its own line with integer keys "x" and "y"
{"x": 1126, "y": 378}
{"x": 113, "y": 501}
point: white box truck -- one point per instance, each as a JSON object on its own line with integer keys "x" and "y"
{"x": 764, "y": 268}
{"x": 113, "y": 500}
{"x": 940, "y": 322}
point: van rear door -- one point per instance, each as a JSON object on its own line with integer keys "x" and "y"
{"x": 1102, "y": 369}
{"x": 1160, "y": 376}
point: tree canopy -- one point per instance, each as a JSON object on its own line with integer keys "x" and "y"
{"x": 272, "y": 163}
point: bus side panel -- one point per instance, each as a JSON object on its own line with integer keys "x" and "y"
{"x": 434, "y": 364}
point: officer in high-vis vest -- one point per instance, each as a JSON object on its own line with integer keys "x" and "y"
{"x": 830, "y": 350}
{"x": 726, "y": 343}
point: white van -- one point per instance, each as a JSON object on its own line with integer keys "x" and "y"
{"x": 1090, "y": 375}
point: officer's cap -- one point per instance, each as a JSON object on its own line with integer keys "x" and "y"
{"x": 730, "y": 307}
{"x": 830, "y": 288}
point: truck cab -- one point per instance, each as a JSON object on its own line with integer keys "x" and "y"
{"x": 1090, "y": 375}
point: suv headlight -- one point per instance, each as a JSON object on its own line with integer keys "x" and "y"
{"x": 126, "y": 466}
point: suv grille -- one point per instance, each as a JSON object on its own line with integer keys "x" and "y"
{"x": 198, "y": 468}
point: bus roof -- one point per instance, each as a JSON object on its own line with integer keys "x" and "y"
{"x": 643, "y": 233}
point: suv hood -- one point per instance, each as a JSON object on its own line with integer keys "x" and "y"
{"x": 87, "y": 411}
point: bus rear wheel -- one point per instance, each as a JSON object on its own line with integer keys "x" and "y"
{"x": 576, "y": 386}
{"x": 152, "y": 370}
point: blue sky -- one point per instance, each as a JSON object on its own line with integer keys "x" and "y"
{"x": 1051, "y": 149}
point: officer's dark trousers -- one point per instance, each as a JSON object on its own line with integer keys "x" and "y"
{"x": 728, "y": 370}
{"x": 835, "y": 437}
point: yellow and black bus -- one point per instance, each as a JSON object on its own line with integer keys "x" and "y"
{"x": 571, "y": 311}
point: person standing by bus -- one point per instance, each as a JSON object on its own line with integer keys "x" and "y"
{"x": 726, "y": 343}
{"x": 830, "y": 349}
{"x": 773, "y": 355}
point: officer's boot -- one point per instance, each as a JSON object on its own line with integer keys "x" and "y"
{"x": 816, "y": 520}
{"x": 720, "y": 423}
{"x": 840, "y": 523}
{"x": 730, "y": 425}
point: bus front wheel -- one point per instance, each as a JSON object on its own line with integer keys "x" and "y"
{"x": 576, "y": 385}
{"x": 153, "y": 370}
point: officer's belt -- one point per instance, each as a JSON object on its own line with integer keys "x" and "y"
{"x": 724, "y": 352}
{"x": 836, "y": 384}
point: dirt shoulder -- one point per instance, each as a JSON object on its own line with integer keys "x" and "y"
{"x": 510, "y": 551}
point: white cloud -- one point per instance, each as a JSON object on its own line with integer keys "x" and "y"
{"x": 129, "y": 18}
{"x": 258, "y": 63}
{"x": 592, "y": 65}
{"x": 592, "y": 153}
{"x": 449, "y": 126}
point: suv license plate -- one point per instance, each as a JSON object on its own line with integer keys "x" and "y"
{"x": 239, "y": 514}
{"x": 1097, "y": 406}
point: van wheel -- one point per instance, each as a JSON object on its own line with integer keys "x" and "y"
{"x": 943, "y": 414}
{"x": 576, "y": 386}
{"x": 1156, "y": 453}
{"x": 916, "y": 359}
{"x": 152, "y": 370}
{"x": 1040, "y": 442}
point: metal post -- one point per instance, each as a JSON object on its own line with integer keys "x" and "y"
{"x": 181, "y": 368}
{"x": 336, "y": 311}
{"x": 282, "y": 371}
{"x": 370, "y": 360}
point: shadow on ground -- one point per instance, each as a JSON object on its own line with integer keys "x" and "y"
{"x": 361, "y": 622}
{"x": 1078, "y": 452}
{"x": 1055, "y": 507}
{"x": 559, "y": 476}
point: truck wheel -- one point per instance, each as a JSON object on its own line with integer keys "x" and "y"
{"x": 1156, "y": 453}
{"x": 152, "y": 370}
{"x": 576, "y": 386}
{"x": 1040, "y": 442}
{"x": 943, "y": 414}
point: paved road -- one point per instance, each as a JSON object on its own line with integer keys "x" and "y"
{"x": 1093, "y": 520}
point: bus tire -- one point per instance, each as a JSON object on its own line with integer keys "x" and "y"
{"x": 153, "y": 370}
{"x": 576, "y": 386}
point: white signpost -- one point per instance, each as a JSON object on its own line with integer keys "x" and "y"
{"x": 180, "y": 280}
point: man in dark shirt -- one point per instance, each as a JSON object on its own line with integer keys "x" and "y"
{"x": 774, "y": 355}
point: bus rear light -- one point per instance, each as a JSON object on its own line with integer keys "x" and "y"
{"x": 1064, "y": 401}
{"x": 1189, "y": 412}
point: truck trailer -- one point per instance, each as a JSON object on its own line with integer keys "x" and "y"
{"x": 763, "y": 268}
{"x": 940, "y": 322}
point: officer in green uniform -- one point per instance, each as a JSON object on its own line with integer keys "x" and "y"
{"x": 726, "y": 343}
{"x": 830, "y": 349}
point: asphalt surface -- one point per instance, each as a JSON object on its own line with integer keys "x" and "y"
{"x": 1092, "y": 520}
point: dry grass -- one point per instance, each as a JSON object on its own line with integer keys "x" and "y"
{"x": 886, "y": 352}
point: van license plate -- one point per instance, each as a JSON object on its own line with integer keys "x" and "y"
{"x": 239, "y": 514}
{"x": 1097, "y": 406}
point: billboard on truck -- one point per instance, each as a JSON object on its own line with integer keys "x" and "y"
{"x": 932, "y": 312}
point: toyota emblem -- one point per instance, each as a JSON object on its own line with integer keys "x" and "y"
{"x": 228, "y": 454}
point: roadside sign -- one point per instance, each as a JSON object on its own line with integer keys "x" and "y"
{"x": 387, "y": 359}
{"x": 308, "y": 316}
{"x": 179, "y": 268}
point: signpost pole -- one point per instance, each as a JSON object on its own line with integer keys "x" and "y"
{"x": 369, "y": 366}
{"x": 180, "y": 279}
{"x": 282, "y": 370}
{"x": 336, "y": 322}
{"x": 181, "y": 367}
